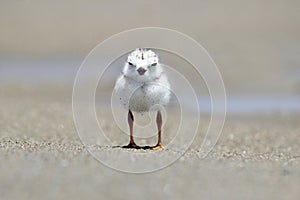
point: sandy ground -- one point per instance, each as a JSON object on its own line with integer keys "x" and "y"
{"x": 41, "y": 156}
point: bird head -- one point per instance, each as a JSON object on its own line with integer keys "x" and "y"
{"x": 142, "y": 65}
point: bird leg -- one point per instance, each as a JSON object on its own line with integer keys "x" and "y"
{"x": 159, "y": 145}
{"x": 130, "y": 123}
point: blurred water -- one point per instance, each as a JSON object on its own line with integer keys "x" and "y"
{"x": 63, "y": 72}
{"x": 257, "y": 104}
{"x": 60, "y": 71}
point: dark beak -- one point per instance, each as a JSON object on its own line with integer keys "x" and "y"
{"x": 141, "y": 71}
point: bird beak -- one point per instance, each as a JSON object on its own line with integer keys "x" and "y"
{"x": 141, "y": 71}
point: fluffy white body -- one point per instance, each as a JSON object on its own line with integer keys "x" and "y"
{"x": 143, "y": 85}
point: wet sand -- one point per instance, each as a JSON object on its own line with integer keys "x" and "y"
{"x": 41, "y": 155}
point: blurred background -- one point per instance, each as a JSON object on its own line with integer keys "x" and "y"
{"x": 255, "y": 44}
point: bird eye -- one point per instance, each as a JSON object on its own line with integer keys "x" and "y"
{"x": 154, "y": 64}
{"x": 130, "y": 63}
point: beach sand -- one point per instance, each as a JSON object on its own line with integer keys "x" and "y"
{"x": 41, "y": 155}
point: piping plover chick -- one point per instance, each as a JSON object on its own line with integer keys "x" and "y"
{"x": 142, "y": 86}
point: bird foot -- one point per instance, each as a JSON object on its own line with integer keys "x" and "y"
{"x": 131, "y": 145}
{"x": 158, "y": 147}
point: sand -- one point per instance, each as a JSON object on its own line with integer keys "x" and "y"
{"x": 42, "y": 157}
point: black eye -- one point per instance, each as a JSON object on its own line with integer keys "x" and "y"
{"x": 154, "y": 64}
{"x": 130, "y": 63}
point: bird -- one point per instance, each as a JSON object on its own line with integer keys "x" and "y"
{"x": 143, "y": 86}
